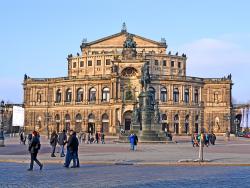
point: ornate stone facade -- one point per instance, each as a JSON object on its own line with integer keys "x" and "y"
{"x": 103, "y": 84}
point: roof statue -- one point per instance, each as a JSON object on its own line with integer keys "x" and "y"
{"x": 124, "y": 27}
{"x": 129, "y": 42}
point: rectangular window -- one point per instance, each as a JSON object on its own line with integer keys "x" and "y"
{"x": 164, "y": 63}
{"x": 108, "y": 62}
{"x": 81, "y": 63}
{"x": 172, "y": 63}
{"x": 156, "y": 62}
{"x": 89, "y": 63}
{"x": 98, "y": 62}
{"x": 74, "y": 64}
{"x": 179, "y": 64}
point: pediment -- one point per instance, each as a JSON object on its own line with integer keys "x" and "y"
{"x": 118, "y": 39}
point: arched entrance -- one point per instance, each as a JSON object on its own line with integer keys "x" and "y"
{"x": 67, "y": 122}
{"x": 186, "y": 124}
{"x": 127, "y": 119}
{"x": 164, "y": 123}
{"x": 78, "y": 127}
{"x": 196, "y": 124}
{"x": 176, "y": 124}
{"x": 105, "y": 123}
{"x": 57, "y": 120}
{"x": 91, "y": 123}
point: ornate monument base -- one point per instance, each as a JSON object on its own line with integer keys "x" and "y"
{"x": 149, "y": 121}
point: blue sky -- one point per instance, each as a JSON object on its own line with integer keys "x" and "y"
{"x": 37, "y": 36}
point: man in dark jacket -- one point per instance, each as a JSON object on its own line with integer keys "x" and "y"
{"x": 75, "y": 151}
{"x": 34, "y": 147}
{"x": 135, "y": 142}
{"x": 53, "y": 142}
{"x": 72, "y": 150}
{"x": 62, "y": 139}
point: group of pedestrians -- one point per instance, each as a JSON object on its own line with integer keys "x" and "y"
{"x": 71, "y": 141}
{"x": 98, "y": 137}
{"x": 206, "y": 139}
{"x": 133, "y": 139}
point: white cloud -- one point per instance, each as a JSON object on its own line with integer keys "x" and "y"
{"x": 217, "y": 57}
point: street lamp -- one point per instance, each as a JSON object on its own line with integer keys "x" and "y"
{"x": 236, "y": 122}
{"x": 2, "y": 108}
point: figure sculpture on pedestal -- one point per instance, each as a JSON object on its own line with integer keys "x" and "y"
{"x": 145, "y": 78}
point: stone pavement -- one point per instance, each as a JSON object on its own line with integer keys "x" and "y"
{"x": 15, "y": 175}
{"x": 234, "y": 152}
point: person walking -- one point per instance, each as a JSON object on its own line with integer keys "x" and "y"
{"x": 212, "y": 138}
{"x": 34, "y": 147}
{"x": 62, "y": 139}
{"x": 103, "y": 138}
{"x": 135, "y": 142}
{"x": 131, "y": 140}
{"x": 53, "y": 142}
{"x": 74, "y": 150}
{"x": 97, "y": 137}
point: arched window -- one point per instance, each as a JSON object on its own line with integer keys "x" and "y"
{"x": 152, "y": 91}
{"x": 105, "y": 94}
{"x": 78, "y": 118}
{"x": 129, "y": 72}
{"x": 91, "y": 117}
{"x": 39, "y": 97}
{"x": 163, "y": 94}
{"x": 92, "y": 94}
{"x": 58, "y": 96}
{"x": 68, "y": 96}
{"x": 216, "y": 96}
{"x": 196, "y": 96}
{"x": 176, "y": 95}
{"x": 186, "y": 96}
{"x": 79, "y": 95}
{"x": 57, "y": 118}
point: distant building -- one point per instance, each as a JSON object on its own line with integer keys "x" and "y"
{"x": 103, "y": 83}
{"x": 8, "y": 118}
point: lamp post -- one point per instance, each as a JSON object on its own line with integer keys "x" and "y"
{"x": 2, "y": 108}
{"x": 236, "y": 122}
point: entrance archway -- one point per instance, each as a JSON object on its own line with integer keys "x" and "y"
{"x": 196, "y": 124}
{"x": 105, "y": 123}
{"x": 57, "y": 120}
{"x": 176, "y": 124}
{"x": 127, "y": 119}
{"x": 164, "y": 121}
{"x": 91, "y": 123}
{"x": 187, "y": 124}
{"x": 67, "y": 122}
{"x": 78, "y": 127}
